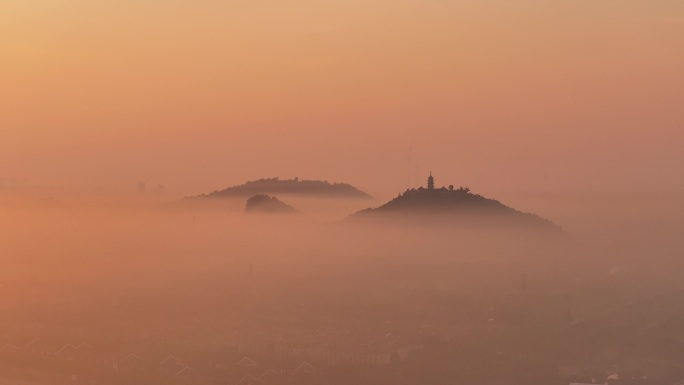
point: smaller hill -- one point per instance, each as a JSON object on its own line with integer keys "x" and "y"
{"x": 295, "y": 187}
{"x": 266, "y": 204}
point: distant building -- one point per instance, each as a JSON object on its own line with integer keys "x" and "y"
{"x": 248, "y": 380}
{"x": 271, "y": 377}
{"x": 431, "y": 182}
{"x": 304, "y": 368}
{"x": 247, "y": 362}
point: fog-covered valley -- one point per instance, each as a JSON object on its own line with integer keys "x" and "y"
{"x": 106, "y": 293}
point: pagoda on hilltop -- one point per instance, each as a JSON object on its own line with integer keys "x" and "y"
{"x": 431, "y": 188}
{"x": 457, "y": 206}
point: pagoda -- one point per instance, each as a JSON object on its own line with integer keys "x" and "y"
{"x": 431, "y": 182}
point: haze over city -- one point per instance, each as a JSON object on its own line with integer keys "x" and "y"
{"x": 341, "y": 192}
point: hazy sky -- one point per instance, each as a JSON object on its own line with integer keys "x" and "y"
{"x": 196, "y": 95}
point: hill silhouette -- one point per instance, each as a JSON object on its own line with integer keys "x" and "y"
{"x": 449, "y": 205}
{"x": 296, "y": 186}
{"x": 267, "y": 204}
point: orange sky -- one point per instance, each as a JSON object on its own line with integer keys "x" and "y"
{"x": 196, "y": 95}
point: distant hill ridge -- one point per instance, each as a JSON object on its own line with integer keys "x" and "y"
{"x": 296, "y": 186}
{"x": 450, "y": 204}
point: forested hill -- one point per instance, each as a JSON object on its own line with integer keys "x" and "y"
{"x": 296, "y": 186}
{"x": 455, "y": 205}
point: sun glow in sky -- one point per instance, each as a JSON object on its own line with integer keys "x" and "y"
{"x": 197, "y": 95}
